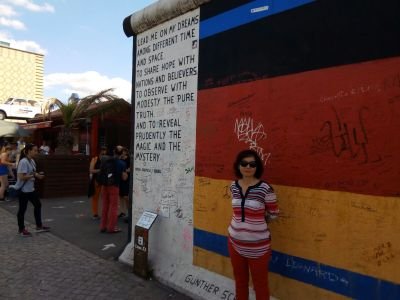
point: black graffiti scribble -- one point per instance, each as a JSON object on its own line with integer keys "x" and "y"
{"x": 341, "y": 139}
{"x": 227, "y": 192}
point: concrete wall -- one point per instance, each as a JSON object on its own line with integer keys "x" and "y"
{"x": 314, "y": 87}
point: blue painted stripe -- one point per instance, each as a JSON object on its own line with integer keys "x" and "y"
{"x": 337, "y": 280}
{"x": 243, "y": 15}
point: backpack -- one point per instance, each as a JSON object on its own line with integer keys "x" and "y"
{"x": 108, "y": 174}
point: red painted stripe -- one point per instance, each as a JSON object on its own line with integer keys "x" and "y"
{"x": 333, "y": 129}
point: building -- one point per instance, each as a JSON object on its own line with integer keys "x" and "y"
{"x": 21, "y": 73}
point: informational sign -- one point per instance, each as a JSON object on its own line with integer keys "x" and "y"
{"x": 146, "y": 220}
{"x": 165, "y": 113}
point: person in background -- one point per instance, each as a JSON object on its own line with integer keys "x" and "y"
{"x": 124, "y": 185}
{"x": 14, "y": 153}
{"x": 94, "y": 187}
{"x": 13, "y": 157}
{"x": 5, "y": 170}
{"x": 26, "y": 175}
{"x": 44, "y": 149}
{"x": 254, "y": 204}
{"x": 20, "y": 144}
{"x": 110, "y": 192}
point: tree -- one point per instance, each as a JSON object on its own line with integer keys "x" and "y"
{"x": 73, "y": 111}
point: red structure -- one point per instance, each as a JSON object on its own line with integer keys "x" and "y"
{"x": 106, "y": 129}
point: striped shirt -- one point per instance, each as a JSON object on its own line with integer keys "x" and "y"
{"x": 248, "y": 231}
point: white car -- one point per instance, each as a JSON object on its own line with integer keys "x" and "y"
{"x": 18, "y": 108}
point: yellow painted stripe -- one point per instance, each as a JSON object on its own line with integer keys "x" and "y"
{"x": 289, "y": 289}
{"x": 212, "y": 262}
{"x": 350, "y": 231}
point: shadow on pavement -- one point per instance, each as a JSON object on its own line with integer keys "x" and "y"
{"x": 70, "y": 219}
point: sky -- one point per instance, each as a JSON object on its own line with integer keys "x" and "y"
{"x": 83, "y": 42}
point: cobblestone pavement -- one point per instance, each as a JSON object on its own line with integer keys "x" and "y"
{"x": 47, "y": 267}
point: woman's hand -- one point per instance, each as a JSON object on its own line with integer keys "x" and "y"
{"x": 270, "y": 217}
{"x": 39, "y": 175}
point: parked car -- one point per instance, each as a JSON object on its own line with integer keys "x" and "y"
{"x": 18, "y": 108}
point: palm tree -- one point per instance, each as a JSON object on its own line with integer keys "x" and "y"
{"x": 75, "y": 109}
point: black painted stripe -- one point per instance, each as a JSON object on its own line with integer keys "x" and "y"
{"x": 214, "y": 8}
{"x": 318, "y": 35}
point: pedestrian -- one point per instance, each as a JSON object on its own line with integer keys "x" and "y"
{"x": 5, "y": 170}
{"x": 112, "y": 171}
{"x": 14, "y": 152}
{"x": 94, "y": 188}
{"x": 254, "y": 204}
{"x": 26, "y": 175}
{"x": 124, "y": 185}
{"x": 44, "y": 149}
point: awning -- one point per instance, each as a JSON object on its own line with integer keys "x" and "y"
{"x": 33, "y": 126}
{"x": 10, "y": 129}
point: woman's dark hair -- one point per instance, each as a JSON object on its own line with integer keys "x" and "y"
{"x": 244, "y": 154}
{"x": 27, "y": 148}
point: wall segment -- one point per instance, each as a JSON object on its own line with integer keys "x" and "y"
{"x": 314, "y": 87}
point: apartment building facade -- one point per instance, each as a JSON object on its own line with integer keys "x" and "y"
{"x": 21, "y": 73}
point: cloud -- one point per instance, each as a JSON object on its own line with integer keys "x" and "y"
{"x": 6, "y": 10}
{"x": 30, "y": 5}
{"x": 15, "y": 24}
{"x": 87, "y": 83}
{"x": 30, "y": 46}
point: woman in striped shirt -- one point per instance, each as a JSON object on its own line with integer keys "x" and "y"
{"x": 254, "y": 203}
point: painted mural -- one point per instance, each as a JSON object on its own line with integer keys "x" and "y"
{"x": 314, "y": 88}
{"x": 323, "y": 116}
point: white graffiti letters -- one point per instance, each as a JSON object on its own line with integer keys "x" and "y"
{"x": 250, "y": 134}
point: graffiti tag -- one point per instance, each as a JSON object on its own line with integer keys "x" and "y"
{"x": 340, "y": 138}
{"x": 251, "y": 134}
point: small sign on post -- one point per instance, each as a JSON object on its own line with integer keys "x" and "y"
{"x": 141, "y": 245}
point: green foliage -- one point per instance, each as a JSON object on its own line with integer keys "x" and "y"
{"x": 73, "y": 111}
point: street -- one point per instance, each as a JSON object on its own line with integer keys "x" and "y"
{"x": 73, "y": 261}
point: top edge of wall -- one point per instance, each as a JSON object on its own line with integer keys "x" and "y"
{"x": 157, "y": 13}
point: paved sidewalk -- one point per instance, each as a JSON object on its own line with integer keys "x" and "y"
{"x": 47, "y": 267}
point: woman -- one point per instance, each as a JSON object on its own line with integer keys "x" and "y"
{"x": 5, "y": 170}
{"x": 253, "y": 202}
{"x": 94, "y": 187}
{"x": 26, "y": 175}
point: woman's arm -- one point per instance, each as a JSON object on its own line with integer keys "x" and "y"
{"x": 25, "y": 176}
{"x": 271, "y": 206}
{"x": 93, "y": 162}
{"x": 4, "y": 160}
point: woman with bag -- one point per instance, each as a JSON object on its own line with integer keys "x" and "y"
{"x": 254, "y": 204}
{"x": 26, "y": 175}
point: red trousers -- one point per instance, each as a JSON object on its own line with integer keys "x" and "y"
{"x": 109, "y": 214}
{"x": 95, "y": 199}
{"x": 259, "y": 274}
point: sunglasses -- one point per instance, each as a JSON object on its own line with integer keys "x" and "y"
{"x": 251, "y": 164}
